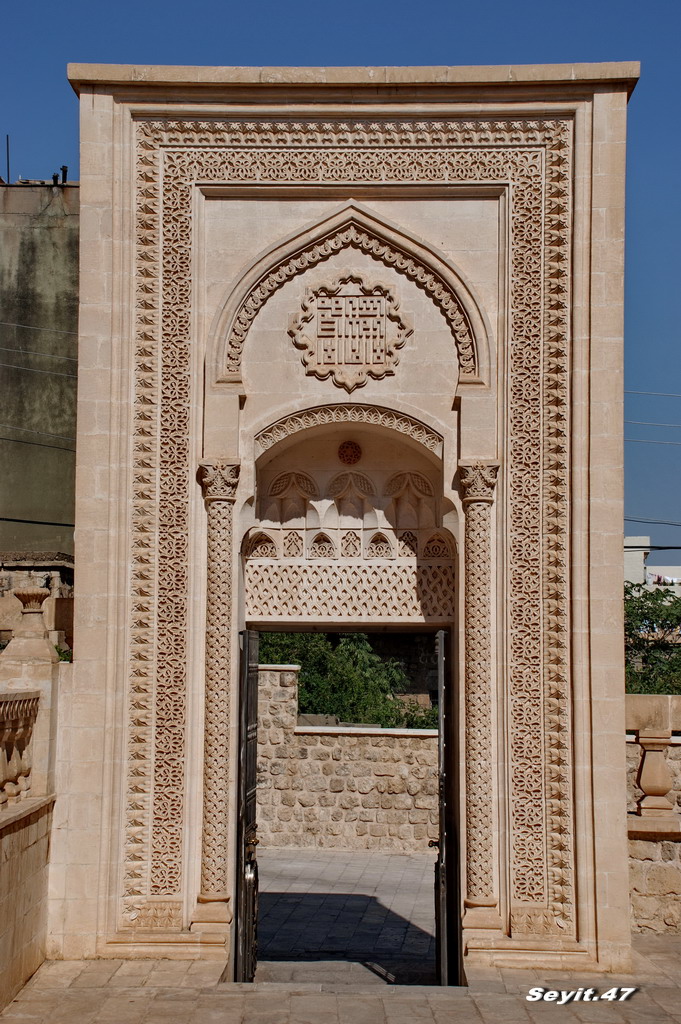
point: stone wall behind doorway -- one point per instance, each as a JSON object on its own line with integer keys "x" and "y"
{"x": 340, "y": 788}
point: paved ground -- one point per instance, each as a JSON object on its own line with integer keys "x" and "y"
{"x": 337, "y": 991}
{"x": 333, "y": 917}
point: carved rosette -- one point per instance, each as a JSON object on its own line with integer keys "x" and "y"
{"x": 349, "y": 330}
{"x": 477, "y": 483}
{"x": 219, "y": 482}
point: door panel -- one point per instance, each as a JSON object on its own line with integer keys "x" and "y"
{"x": 447, "y": 909}
{"x": 245, "y": 960}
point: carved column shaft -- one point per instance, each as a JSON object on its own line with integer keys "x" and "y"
{"x": 478, "y": 483}
{"x": 219, "y": 482}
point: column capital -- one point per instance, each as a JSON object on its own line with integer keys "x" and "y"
{"x": 218, "y": 479}
{"x": 478, "y": 480}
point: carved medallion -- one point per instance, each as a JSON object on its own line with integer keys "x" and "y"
{"x": 349, "y": 331}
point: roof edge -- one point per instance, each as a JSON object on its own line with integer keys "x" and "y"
{"x": 503, "y": 74}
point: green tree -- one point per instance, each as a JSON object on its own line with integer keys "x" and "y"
{"x": 342, "y": 676}
{"x": 652, "y": 639}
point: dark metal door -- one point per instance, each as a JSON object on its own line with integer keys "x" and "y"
{"x": 447, "y": 911}
{"x": 246, "y": 954}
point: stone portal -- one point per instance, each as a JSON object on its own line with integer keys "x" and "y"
{"x": 350, "y": 352}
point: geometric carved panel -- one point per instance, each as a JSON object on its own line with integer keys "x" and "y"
{"x": 349, "y": 591}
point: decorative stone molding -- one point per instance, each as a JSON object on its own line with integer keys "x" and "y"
{"x": 349, "y": 453}
{"x": 348, "y": 482}
{"x": 477, "y": 485}
{"x": 349, "y": 331}
{"x": 354, "y": 229}
{"x": 532, "y": 158}
{"x": 300, "y": 482}
{"x": 32, "y": 598}
{"x": 405, "y": 481}
{"x": 370, "y": 414}
{"x": 219, "y": 482}
{"x": 322, "y": 547}
{"x": 18, "y": 713}
{"x": 398, "y": 591}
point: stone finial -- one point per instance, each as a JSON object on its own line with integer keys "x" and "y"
{"x": 478, "y": 480}
{"x": 32, "y": 598}
{"x": 218, "y": 480}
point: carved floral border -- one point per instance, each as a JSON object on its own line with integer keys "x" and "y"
{"x": 533, "y": 157}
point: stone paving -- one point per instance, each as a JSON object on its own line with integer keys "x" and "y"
{"x": 318, "y": 987}
{"x": 362, "y": 917}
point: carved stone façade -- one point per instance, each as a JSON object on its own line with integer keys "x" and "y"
{"x": 533, "y": 157}
{"x": 456, "y": 396}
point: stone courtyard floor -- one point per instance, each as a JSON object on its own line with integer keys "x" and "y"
{"x": 336, "y": 932}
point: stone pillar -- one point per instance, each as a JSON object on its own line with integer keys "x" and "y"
{"x": 219, "y": 483}
{"x": 477, "y": 482}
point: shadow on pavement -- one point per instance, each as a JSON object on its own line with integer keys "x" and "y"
{"x": 350, "y": 928}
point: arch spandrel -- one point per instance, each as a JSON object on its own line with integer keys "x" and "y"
{"x": 350, "y": 227}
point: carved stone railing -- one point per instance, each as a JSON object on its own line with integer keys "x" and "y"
{"x": 651, "y": 722}
{"x": 18, "y": 713}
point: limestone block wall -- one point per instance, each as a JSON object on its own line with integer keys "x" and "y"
{"x": 344, "y": 789}
{"x": 653, "y": 728}
{"x": 24, "y": 853}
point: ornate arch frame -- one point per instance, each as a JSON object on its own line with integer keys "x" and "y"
{"x": 531, "y": 160}
{"x": 350, "y": 226}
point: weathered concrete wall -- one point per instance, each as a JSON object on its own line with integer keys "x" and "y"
{"x": 38, "y": 314}
{"x": 24, "y": 854}
{"x": 344, "y": 789}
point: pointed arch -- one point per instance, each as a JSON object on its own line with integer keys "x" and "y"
{"x": 350, "y": 226}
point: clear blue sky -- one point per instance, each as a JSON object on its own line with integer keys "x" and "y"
{"x": 40, "y": 113}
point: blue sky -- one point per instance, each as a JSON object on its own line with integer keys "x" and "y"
{"x": 40, "y": 113}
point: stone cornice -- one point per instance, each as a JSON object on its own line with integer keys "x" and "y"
{"x": 506, "y": 75}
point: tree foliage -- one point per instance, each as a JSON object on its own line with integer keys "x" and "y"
{"x": 652, "y": 639}
{"x": 343, "y": 676}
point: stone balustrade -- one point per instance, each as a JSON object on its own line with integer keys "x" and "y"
{"x": 653, "y": 723}
{"x": 18, "y": 713}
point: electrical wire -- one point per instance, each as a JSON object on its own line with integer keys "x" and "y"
{"x": 38, "y": 444}
{"x": 647, "y": 423}
{"x": 32, "y": 352}
{"x": 32, "y": 369}
{"x": 643, "y": 440}
{"x": 656, "y": 394}
{"x": 29, "y": 327}
{"x": 656, "y": 522}
{"x": 36, "y": 522}
{"x": 30, "y": 430}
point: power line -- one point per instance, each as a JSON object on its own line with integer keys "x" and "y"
{"x": 657, "y": 394}
{"x": 31, "y": 369}
{"x": 653, "y": 547}
{"x": 36, "y": 522}
{"x": 656, "y": 522}
{"x": 29, "y": 430}
{"x": 647, "y": 423}
{"x": 38, "y": 444}
{"x": 642, "y": 440}
{"x": 28, "y": 327}
{"x": 32, "y": 352}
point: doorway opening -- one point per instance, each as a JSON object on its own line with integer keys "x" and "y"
{"x": 349, "y": 795}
